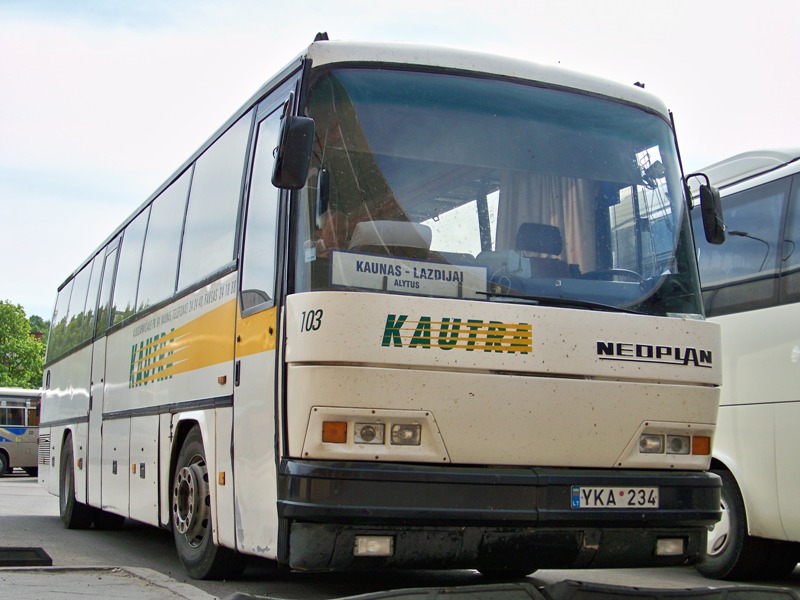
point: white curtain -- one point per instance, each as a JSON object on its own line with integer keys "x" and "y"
{"x": 565, "y": 202}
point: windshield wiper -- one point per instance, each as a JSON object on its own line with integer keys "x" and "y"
{"x": 562, "y": 302}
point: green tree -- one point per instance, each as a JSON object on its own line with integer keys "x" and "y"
{"x": 38, "y": 324}
{"x": 21, "y": 354}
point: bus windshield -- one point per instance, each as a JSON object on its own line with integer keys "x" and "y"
{"x": 465, "y": 187}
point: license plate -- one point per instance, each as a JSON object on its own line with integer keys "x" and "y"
{"x": 584, "y": 496}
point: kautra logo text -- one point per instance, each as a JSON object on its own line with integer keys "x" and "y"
{"x": 150, "y": 360}
{"x": 448, "y": 333}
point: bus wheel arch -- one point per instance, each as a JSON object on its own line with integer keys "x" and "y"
{"x": 74, "y": 514}
{"x": 5, "y": 465}
{"x": 191, "y": 512}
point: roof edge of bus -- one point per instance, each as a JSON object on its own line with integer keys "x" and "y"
{"x": 331, "y": 52}
{"x": 747, "y": 165}
{"x": 18, "y": 391}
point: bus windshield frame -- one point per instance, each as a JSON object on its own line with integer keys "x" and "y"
{"x": 463, "y": 186}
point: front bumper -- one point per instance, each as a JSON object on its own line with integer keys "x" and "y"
{"x": 486, "y": 518}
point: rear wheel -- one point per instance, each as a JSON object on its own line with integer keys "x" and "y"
{"x": 3, "y": 464}
{"x": 74, "y": 514}
{"x": 191, "y": 517}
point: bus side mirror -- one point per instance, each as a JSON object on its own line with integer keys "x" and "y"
{"x": 293, "y": 154}
{"x": 710, "y": 208}
{"x": 711, "y": 211}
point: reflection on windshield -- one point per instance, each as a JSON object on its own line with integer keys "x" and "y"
{"x": 472, "y": 188}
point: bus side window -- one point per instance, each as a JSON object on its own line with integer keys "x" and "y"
{"x": 210, "y": 225}
{"x": 105, "y": 292}
{"x": 790, "y": 250}
{"x": 161, "y": 246}
{"x": 33, "y": 416}
{"x": 58, "y": 330}
{"x": 77, "y": 308}
{"x": 15, "y": 416}
{"x": 130, "y": 260}
{"x": 742, "y": 273}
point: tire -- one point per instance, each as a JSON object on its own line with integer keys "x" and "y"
{"x": 74, "y": 514}
{"x": 191, "y": 517}
{"x": 4, "y": 464}
{"x": 731, "y": 553}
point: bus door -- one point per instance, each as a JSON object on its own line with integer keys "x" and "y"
{"x": 97, "y": 390}
{"x": 254, "y": 462}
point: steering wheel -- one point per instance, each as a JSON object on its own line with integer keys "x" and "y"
{"x": 612, "y": 274}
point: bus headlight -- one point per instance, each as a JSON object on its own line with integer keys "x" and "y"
{"x": 406, "y": 434}
{"x": 345, "y": 433}
{"x": 651, "y": 443}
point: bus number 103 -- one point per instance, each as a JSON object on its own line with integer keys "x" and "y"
{"x": 311, "y": 320}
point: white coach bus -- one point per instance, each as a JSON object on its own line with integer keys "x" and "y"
{"x": 408, "y": 307}
{"x": 752, "y": 289}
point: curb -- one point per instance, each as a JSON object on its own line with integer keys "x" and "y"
{"x": 56, "y": 582}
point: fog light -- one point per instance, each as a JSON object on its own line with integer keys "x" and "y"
{"x": 669, "y": 547}
{"x": 368, "y": 433}
{"x": 651, "y": 443}
{"x": 678, "y": 444}
{"x": 406, "y": 435}
{"x": 373, "y": 545}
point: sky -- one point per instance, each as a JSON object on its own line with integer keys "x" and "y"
{"x": 101, "y": 100}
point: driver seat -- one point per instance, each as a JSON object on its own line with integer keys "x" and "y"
{"x": 541, "y": 244}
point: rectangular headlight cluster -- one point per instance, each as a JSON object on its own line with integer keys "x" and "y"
{"x": 657, "y": 443}
{"x": 400, "y": 434}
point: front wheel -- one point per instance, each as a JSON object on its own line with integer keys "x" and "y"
{"x": 731, "y": 553}
{"x": 3, "y": 464}
{"x": 191, "y": 517}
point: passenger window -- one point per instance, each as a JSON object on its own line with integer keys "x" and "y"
{"x": 790, "y": 251}
{"x": 14, "y": 416}
{"x": 210, "y": 230}
{"x": 91, "y": 298}
{"x": 58, "y": 330}
{"x": 130, "y": 259}
{"x": 258, "y": 272}
{"x": 77, "y": 306}
{"x": 741, "y": 274}
{"x": 104, "y": 299}
{"x": 162, "y": 244}
{"x": 33, "y": 417}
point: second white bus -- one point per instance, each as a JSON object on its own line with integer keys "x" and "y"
{"x": 751, "y": 287}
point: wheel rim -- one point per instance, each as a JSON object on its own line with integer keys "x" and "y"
{"x": 719, "y": 535}
{"x": 190, "y": 501}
